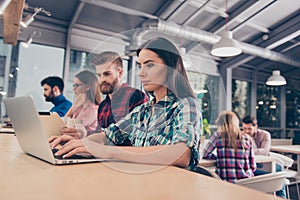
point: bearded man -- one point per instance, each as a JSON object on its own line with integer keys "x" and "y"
{"x": 120, "y": 98}
{"x": 53, "y": 92}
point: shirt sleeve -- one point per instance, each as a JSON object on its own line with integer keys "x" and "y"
{"x": 210, "y": 147}
{"x": 119, "y": 133}
{"x": 188, "y": 126}
{"x": 265, "y": 143}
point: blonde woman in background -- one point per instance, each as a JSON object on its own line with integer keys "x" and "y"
{"x": 87, "y": 98}
{"x": 235, "y": 156}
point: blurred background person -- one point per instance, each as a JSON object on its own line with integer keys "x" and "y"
{"x": 235, "y": 155}
{"x": 53, "y": 92}
{"x": 87, "y": 98}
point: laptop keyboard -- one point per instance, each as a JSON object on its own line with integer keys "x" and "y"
{"x": 71, "y": 157}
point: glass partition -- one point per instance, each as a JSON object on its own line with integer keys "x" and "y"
{"x": 206, "y": 88}
{"x": 268, "y": 106}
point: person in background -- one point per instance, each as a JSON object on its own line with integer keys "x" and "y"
{"x": 235, "y": 156}
{"x": 87, "y": 99}
{"x": 120, "y": 98}
{"x": 262, "y": 138}
{"x": 262, "y": 145}
{"x": 165, "y": 130}
{"x": 53, "y": 92}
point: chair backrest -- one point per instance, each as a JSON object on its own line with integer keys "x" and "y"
{"x": 275, "y": 142}
{"x": 268, "y": 183}
{"x": 283, "y": 160}
{"x": 207, "y": 172}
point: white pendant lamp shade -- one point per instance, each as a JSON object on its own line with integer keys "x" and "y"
{"x": 276, "y": 79}
{"x": 226, "y": 46}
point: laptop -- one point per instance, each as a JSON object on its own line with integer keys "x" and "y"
{"x": 32, "y": 131}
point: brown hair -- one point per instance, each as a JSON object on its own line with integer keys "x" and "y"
{"x": 89, "y": 79}
{"x": 228, "y": 126}
{"x": 107, "y": 56}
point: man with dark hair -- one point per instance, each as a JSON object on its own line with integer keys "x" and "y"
{"x": 261, "y": 138}
{"x": 53, "y": 89}
{"x": 262, "y": 145}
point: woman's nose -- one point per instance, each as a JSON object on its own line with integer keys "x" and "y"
{"x": 142, "y": 72}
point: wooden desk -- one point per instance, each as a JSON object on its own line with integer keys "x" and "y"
{"x": 7, "y": 130}
{"x": 27, "y": 178}
{"x": 292, "y": 149}
{"x": 258, "y": 159}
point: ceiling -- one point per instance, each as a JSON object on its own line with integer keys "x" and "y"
{"x": 271, "y": 25}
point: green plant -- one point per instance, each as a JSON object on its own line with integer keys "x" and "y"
{"x": 206, "y": 128}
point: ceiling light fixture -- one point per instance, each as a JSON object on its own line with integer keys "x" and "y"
{"x": 226, "y": 46}
{"x": 30, "y": 18}
{"x": 3, "y": 6}
{"x": 28, "y": 41}
{"x": 276, "y": 79}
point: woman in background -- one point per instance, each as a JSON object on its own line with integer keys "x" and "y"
{"x": 87, "y": 98}
{"x": 235, "y": 156}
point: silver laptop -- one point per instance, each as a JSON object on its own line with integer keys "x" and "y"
{"x": 31, "y": 132}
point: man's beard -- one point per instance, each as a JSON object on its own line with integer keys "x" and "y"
{"x": 50, "y": 97}
{"x": 109, "y": 88}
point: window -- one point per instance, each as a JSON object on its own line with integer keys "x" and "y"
{"x": 36, "y": 63}
{"x": 268, "y": 106}
{"x": 206, "y": 88}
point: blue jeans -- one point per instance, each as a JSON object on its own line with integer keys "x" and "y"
{"x": 281, "y": 193}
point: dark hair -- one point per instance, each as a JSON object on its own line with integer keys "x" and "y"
{"x": 249, "y": 120}
{"x": 107, "y": 56}
{"x": 177, "y": 80}
{"x": 89, "y": 79}
{"x": 53, "y": 81}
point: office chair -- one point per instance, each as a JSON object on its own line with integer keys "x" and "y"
{"x": 287, "y": 162}
{"x": 268, "y": 183}
{"x": 207, "y": 172}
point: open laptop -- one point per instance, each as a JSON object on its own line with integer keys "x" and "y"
{"x": 32, "y": 130}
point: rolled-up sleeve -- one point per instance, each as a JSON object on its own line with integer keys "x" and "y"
{"x": 188, "y": 127}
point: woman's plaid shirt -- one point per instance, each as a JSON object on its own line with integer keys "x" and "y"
{"x": 166, "y": 122}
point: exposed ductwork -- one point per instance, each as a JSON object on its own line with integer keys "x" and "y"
{"x": 198, "y": 35}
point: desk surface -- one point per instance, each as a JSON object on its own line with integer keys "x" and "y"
{"x": 294, "y": 149}
{"x": 25, "y": 177}
{"x": 258, "y": 159}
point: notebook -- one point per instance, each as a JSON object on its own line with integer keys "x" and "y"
{"x": 32, "y": 130}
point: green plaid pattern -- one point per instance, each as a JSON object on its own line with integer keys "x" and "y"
{"x": 166, "y": 122}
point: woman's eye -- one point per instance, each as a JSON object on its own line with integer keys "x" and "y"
{"x": 150, "y": 65}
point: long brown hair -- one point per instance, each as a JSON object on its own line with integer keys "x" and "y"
{"x": 228, "y": 126}
{"x": 177, "y": 80}
{"x": 90, "y": 79}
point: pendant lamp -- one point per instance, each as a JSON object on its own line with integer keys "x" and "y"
{"x": 226, "y": 46}
{"x": 276, "y": 79}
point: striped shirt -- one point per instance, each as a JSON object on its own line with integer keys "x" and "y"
{"x": 232, "y": 164}
{"x": 166, "y": 122}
